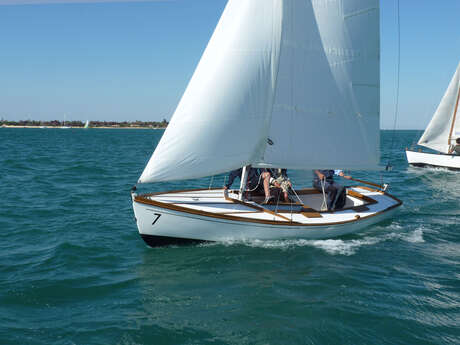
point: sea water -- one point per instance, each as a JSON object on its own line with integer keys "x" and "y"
{"x": 73, "y": 269}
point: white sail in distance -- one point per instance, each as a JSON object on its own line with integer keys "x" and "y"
{"x": 446, "y": 120}
{"x": 282, "y": 83}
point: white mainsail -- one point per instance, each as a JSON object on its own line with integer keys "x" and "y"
{"x": 444, "y": 127}
{"x": 282, "y": 83}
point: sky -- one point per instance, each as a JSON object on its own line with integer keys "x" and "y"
{"x": 121, "y": 60}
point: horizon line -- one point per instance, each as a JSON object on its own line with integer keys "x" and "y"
{"x": 53, "y": 2}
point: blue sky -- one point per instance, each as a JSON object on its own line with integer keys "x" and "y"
{"x": 131, "y": 60}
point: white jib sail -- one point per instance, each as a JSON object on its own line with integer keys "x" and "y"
{"x": 445, "y": 121}
{"x": 300, "y": 75}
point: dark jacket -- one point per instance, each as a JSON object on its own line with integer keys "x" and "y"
{"x": 253, "y": 176}
{"x": 328, "y": 174}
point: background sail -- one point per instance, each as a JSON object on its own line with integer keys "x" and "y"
{"x": 222, "y": 120}
{"x": 436, "y": 134}
{"x": 326, "y": 110}
{"x": 282, "y": 83}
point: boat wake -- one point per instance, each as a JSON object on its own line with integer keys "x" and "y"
{"x": 345, "y": 247}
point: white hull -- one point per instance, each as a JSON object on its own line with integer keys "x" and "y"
{"x": 434, "y": 160}
{"x": 207, "y": 216}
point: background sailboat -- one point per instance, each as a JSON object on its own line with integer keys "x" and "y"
{"x": 442, "y": 132}
{"x": 63, "y": 123}
{"x": 282, "y": 84}
{"x": 86, "y": 124}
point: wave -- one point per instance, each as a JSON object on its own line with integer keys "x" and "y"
{"x": 337, "y": 246}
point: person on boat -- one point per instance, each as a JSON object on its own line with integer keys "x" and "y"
{"x": 324, "y": 181}
{"x": 279, "y": 179}
{"x": 258, "y": 180}
{"x": 455, "y": 149}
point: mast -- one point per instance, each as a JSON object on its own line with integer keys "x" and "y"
{"x": 453, "y": 120}
{"x": 244, "y": 180}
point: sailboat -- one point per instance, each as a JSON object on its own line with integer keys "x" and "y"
{"x": 63, "y": 124}
{"x": 86, "y": 124}
{"x": 282, "y": 84}
{"x": 442, "y": 132}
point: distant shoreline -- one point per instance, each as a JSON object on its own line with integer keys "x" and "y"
{"x": 79, "y": 127}
{"x": 87, "y": 124}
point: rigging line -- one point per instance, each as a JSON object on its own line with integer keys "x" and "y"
{"x": 324, "y": 203}
{"x": 277, "y": 202}
{"x": 258, "y": 183}
{"x": 388, "y": 167}
{"x": 293, "y": 190}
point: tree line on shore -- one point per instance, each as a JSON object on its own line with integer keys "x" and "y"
{"x": 115, "y": 124}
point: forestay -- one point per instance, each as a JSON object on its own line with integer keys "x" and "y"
{"x": 444, "y": 127}
{"x": 282, "y": 83}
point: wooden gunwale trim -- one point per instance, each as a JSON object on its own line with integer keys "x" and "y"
{"x": 367, "y": 182}
{"x": 358, "y": 195}
{"x": 305, "y": 191}
{"x": 370, "y": 189}
{"x": 380, "y": 191}
{"x": 311, "y": 214}
{"x": 258, "y": 208}
{"x": 143, "y": 200}
{"x": 236, "y": 212}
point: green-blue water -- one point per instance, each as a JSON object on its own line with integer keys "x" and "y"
{"x": 73, "y": 269}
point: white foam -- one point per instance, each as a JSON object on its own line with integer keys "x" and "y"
{"x": 335, "y": 246}
{"x": 330, "y": 246}
{"x": 340, "y": 247}
{"x": 415, "y": 236}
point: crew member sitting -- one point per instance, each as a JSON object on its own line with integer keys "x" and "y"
{"x": 280, "y": 179}
{"x": 455, "y": 148}
{"x": 254, "y": 181}
{"x": 324, "y": 181}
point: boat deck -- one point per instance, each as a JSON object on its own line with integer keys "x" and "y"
{"x": 361, "y": 202}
